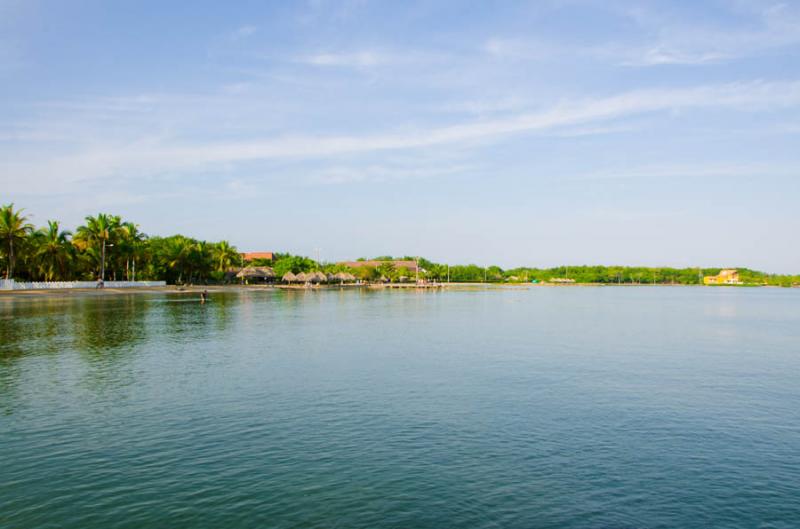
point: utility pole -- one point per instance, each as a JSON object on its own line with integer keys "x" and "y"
{"x": 448, "y": 272}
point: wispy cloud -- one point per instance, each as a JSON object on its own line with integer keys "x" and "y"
{"x": 666, "y": 39}
{"x": 700, "y": 170}
{"x": 381, "y": 173}
{"x": 524, "y": 49}
{"x": 360, "y": 59}
{"x": 243, "y": 32}
{"x": 766, "y": 27}
{"x": 371, "y": 58}
{"x": 108, "y": 159}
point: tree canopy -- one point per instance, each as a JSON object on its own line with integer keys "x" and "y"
{"x": 53, "y": 253}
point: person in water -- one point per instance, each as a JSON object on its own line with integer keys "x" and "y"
{"x": 203, "y": 296}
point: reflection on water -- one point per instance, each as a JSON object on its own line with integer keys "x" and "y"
{"x": 103, "y": 331}
{"x": 566, "y": 408}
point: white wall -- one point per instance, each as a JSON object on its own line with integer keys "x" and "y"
{"x": 10, "y": 284}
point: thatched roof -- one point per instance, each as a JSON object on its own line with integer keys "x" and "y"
{"x": 302, "y": 277}
{"x": 260, "y": 272}
{"x": 289, "y": 277}
{"x": 316, "y": 277}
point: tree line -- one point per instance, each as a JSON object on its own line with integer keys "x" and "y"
{"x": 107, "y": 246}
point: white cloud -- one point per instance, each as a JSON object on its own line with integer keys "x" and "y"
{"x": 766, "y": 27}
{"x": 359, "y": 59}
{"x": 370, "y": 58}
{"x": 662, "y": 38}
{"x": 107, "y": 159}
{"x": 697, "y": 170}
{"x": 379, "y": 173}
{"x": 664, "y": 55}
{"x": 243, "y": 32}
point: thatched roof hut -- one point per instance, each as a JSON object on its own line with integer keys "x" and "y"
{"x": 256, "y": 272}
{"x": 302, "y": 277}
{"x": 316, "y": 277}
{"x": 289, "y": 277}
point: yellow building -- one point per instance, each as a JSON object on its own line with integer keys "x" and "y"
{"x": 725, "y": 277}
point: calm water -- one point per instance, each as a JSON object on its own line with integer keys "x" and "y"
{"x": 576, "y": 408}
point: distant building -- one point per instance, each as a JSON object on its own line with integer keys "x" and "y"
{"x": 251, "y": 256}
{"x": 408, "y": 265}
{"x": 725, "y": 277}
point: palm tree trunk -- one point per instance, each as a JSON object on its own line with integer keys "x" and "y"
{"x": 10, "y": 268}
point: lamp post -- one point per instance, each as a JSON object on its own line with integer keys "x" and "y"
{"x": 103, "y": 261}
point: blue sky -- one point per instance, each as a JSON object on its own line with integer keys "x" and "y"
{"x": 538, "y": 133}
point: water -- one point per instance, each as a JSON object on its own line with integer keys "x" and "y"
{"x": 584, "y": 408}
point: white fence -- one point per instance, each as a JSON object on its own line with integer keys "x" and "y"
{"x": 10, "y": 284}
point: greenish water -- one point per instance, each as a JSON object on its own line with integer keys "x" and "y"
{"x": 544, "y": 408}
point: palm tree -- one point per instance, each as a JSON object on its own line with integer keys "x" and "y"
{"x": 176, "y": 255}
{"x": 225, "y": 255}
{"x": 201, "y": 259}
{"x": 13, "y": 228}
{"x": 53, "y": 250}
{"x": 98, "y": 230}
{"x": 130, "y": 239}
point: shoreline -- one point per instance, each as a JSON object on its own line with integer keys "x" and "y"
{"x": 197, "y": 289}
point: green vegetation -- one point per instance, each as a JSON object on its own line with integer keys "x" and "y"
{"x": 642, "y": 275}
{"x": 107, "y": 245}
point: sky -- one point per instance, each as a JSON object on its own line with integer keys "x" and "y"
{"x": 511, "y": 133}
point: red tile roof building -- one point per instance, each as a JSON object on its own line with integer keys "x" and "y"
{"x": 249, "y": 256}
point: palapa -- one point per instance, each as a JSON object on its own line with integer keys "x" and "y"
{"x": 256, "y": 272}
